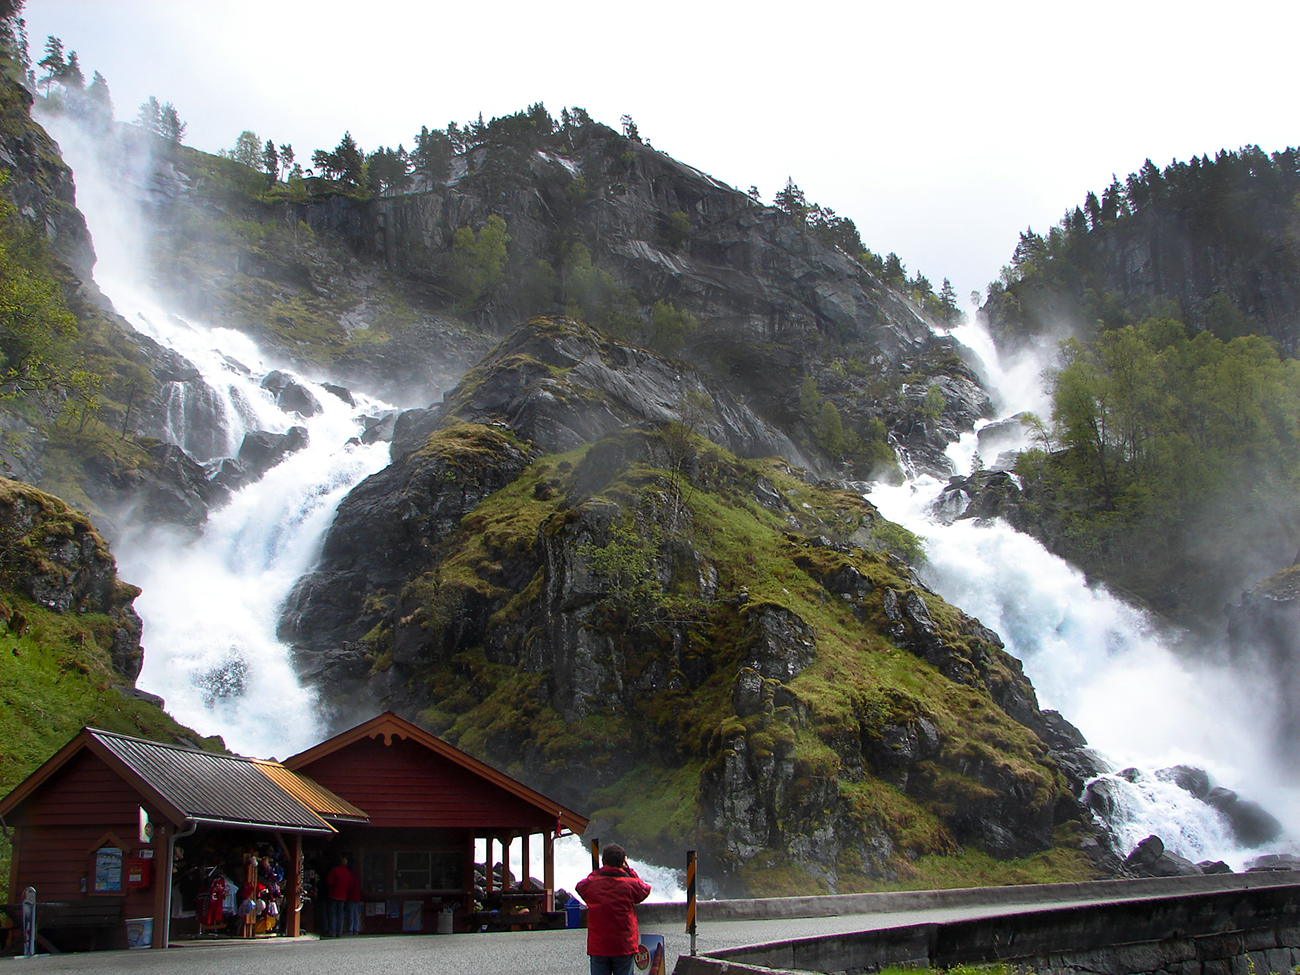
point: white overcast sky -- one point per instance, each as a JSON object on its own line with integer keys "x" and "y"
{"x": 943, "y": 129}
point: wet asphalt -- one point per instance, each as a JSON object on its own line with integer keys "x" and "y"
{"x": 506, "y": 953}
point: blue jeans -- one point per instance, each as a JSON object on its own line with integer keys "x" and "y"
{"x": 354, "y": 917}
{"x": 615, "y": 965}
{"x": 334, "y": 917}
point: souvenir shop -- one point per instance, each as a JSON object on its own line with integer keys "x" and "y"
{"x": 229, "y": 884}
{"x": 133, "y": 843}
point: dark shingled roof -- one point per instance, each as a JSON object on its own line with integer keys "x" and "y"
{"x": 209, "y": 787}
{"x": 189, "y": 784}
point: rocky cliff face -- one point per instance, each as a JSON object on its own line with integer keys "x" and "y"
{"x": 774, "y": 303}
{"x": 560, "y": 572}
{"x": 616, "y": 574}
{"x": 746, "y": 271}
{"x": 52, "y": 555}
{"x": 40, "y": 183}
{"x": 1210, "y": 241}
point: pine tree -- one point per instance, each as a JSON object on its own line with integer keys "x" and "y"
{"x": 53, "y": 62}
{"x": 71, "y": 75}
{"x": 149, "y": 117}
{"x": 170, "y": 126}
{"x": 432, "y": 155}
{"x": 270, "y": 161}
{"x": 792, "y": 201}
{"x": 100, "y": 100}
{"x": 350, "y": 160}
{"x": 948, "y": 301}
{"x": 286, "y": 157}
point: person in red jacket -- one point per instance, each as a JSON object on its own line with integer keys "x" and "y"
{"x": 612, "y": 893}
{"x": 337, "y": 883}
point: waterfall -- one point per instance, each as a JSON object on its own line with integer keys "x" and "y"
{"x": 1139, "y": 698}
{"x": 210, "y": 604}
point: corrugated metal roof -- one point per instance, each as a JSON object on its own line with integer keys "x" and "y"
{"x": 389, "y": 726}
{"x": 214, "y": 788}
{"x": 312, "y": 794}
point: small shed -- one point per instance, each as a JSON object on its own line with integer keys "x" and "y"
{"x": 111, "y": 827}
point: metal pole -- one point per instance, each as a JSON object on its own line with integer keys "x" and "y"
{"x": 29, "y": 922}
{"x": 165, "y": 877}
{"x": 690, "y": 897}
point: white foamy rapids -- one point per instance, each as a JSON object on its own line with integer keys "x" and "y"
{"x": 1148, "y": 805}
{"x": 1101, "y": 663}
{"x": 210, "y": 605}
{"x": 1015, "y": 382}
{"x": 573, "y": 862}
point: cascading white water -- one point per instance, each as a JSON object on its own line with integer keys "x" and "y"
{"x": 573, "y": 862}
{"x": 210, "y": 604}
{"x": 1101, "y": 662}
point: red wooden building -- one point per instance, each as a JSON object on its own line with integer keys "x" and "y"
{"x": 428, "y": 803}
{"x": 405, "y": 806}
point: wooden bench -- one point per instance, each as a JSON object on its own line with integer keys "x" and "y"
{"x": 98, "y": 916}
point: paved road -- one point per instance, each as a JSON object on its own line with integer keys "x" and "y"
{"x": 506, "y": 953}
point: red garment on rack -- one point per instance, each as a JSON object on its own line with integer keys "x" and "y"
{"x": 212, "y": 912}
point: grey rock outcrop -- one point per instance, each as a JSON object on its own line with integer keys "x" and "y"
{"x": 290, "y": 395}
{"x": 559, "y": 385}
{"x": 982, "y": 496}
{"x": 54, "y": 555}
{"x": 385, "y": 531}
{"x": 261, "y": 450}
{"x": 1188, "y": 778}
{"x": 1150, "y": 859}
{"x": 1251, "y": 824}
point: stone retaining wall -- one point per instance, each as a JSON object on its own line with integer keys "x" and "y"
{"x": 1240, "y": 925}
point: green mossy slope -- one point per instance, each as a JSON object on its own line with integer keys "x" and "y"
{"x": 687, "y": 569}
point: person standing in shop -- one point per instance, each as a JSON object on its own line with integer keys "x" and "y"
{"x": 337, "y": 884}
{"x": 354, "y": 903}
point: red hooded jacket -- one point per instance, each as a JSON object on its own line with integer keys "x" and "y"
{"x": 612, "y": 894}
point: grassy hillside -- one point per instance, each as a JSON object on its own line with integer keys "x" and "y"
{"x": 62, "y": 624}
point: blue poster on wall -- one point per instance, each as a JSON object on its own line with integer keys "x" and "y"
{"x": 108, "y": 870}
{"x": 413, "y": 915}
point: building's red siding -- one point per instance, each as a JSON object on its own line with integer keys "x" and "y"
{"x": 404, "y": 784}
{"x": 64, "y": 822}
{"x": 85, "y": 790}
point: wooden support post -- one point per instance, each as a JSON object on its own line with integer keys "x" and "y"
{"x": 15, "y": 857}
{"x": 490, "y": 873}
{"x": 690, "y": 897}
{"x": 250, "y": 883}
{"x": 548, "y": 862}
{"x": 293, "y": 888}
{"x": 506, "y": 843}
{"x": 525, "y": 881}
{"x": 467, "y": 872}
